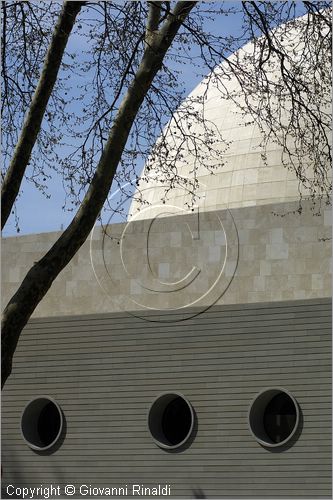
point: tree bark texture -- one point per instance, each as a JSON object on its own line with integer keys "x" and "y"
{"x": 42, "y": 274}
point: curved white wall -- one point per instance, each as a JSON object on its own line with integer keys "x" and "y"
{"x": 244, "y": 179}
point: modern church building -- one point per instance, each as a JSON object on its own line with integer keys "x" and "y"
{"x": 183, "y": 353}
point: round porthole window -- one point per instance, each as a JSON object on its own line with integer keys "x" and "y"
{"x": 273, "y": 417}
{"x": 41, "y": 423}
{"x": 170, "y": 420}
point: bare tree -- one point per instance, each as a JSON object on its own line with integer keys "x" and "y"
{"x": 32, "y": 124}
{"x": 284, "y": 87}
{"x": 294, "y": 109}
{"x": 129, "y": 87}
{"x": 157, "y": 41}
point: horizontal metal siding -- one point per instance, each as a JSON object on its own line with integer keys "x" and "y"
{"x": 105, "y": 370}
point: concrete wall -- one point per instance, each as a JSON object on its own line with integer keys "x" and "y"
{"x": 105, "y": 370}
{"x": 264, "y": 253}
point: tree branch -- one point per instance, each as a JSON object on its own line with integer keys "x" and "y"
{"x": 153, "y": 18}
{"x": 40, "y": 99}
{"x": 41, "y": 276}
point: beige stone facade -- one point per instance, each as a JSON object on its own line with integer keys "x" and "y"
{"x": 256, "y": 254}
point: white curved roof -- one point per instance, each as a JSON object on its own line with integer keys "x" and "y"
{"x": 244, "y": 179}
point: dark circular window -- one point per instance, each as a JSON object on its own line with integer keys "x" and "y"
{"x": 170, "y": 420}
{"x": 273, "y": 417}
{"x": 41, "y": 423}
{"x": 280, "y": 417}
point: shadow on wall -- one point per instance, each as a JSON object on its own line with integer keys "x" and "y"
{"x": 16, "y": 477}
{"x": 198, "y": 493}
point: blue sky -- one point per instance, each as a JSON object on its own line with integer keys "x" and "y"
{"x": 38, "y": 214}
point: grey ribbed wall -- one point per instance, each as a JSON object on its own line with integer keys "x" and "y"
{"x": 105, "y": 370}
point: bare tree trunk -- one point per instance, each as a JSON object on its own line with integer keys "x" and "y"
{"x": 40, "y": 99}
{"x": 41, "y": 276}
